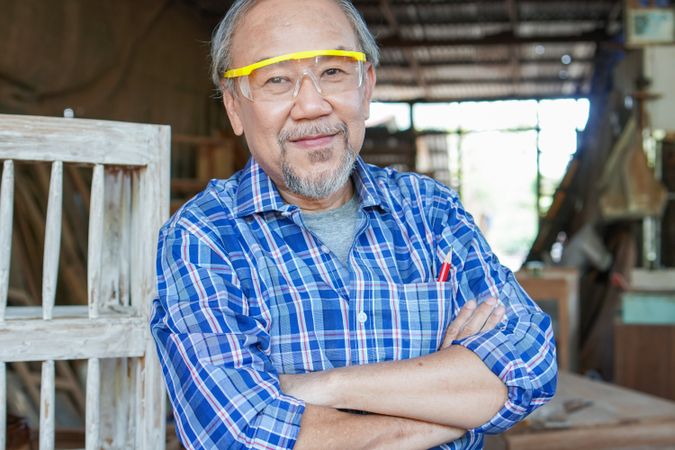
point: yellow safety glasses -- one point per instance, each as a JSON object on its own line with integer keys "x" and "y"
{"x": 280, "y": 78}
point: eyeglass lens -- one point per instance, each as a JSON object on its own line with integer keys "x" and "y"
{"x": 281, "y": 81}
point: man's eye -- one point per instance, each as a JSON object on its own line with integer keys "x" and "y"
{"x": 332, "y": 72}
{"x": 276, "y": 80}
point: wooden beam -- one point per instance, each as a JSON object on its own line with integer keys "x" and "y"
{"x": 502, "y": 62}
{"x": 471, "y": 98}
{"x": 381, "y": 82}
{"x": 51, "y": 339}
{"x": 360, "y": 4}
{"x": 504, "y": 38}
{"x": 31, "y": 138}
{"x": 6, "y": 215}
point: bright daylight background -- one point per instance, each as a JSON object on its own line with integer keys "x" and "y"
{"x": 493, "y": 159}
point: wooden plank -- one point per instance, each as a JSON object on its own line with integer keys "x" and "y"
{"x": 94, "y": 249}
{"x": 116, "y": 239}
{"x": 3, "y": 405}
{"x": 92, "y": 423}
{"x": 153, "y": 199}
{"x": 32, "y": 138}
{"x": 612, "y": 417}
{"x": 6, "y": 214}
{"x": 60, "y": 312}
{"x": 47, "y": 404}
{"x": 50, "y": 266}
{"x": 37, "y": 340}
{"x": 611, "y": 405}
{"x": 634, "y": 350}
{"x": 630, "y": 435}
{"x": 662, "y": 280}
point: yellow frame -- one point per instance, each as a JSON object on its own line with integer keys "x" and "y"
{"x": 246, "y": 70}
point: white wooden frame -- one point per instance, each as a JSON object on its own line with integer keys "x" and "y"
{"x": 125, "y": 406}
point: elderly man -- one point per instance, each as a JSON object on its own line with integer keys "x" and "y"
{"x": 304, "y": 291}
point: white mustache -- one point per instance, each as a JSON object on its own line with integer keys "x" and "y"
{"x": 311, "y": 129}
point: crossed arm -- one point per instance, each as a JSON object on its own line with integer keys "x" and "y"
{"x": 417, "y": 403}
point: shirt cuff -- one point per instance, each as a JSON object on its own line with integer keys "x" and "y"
{"x": 499, "y": 355}
{"x": 278, "y": 424}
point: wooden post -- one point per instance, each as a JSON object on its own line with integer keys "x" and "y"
{"x": 6, "y": 213}
{"x": 47, "y": 404}
{"x": 3, "y": 405}
{"x": 92, "y": 423}
{"x": 50, "y": 266}
{"x": 95, "y": 241}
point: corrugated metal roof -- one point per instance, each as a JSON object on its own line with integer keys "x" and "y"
{"x": 466, "y": 50}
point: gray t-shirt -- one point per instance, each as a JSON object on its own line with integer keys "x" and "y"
{"x": 336, "y": 227}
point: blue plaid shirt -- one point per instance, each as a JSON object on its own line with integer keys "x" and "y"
{"x": 247, "y": 292}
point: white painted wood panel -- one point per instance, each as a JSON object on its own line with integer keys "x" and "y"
{"x": 38, "y": 340}
{"x": 6, "y": 214}
{"x": 31, "y": 138}
{"x": 50, "y": 266}
{"x": 47, "y": 405}
{"x": 129, "y": 202}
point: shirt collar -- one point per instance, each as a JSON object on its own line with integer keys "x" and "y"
{"x": 257, "y": 192}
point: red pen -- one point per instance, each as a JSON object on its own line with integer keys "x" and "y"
{"x": 445, "y": 267}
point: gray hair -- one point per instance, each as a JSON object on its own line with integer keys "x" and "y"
{"x": 221, "y": 43}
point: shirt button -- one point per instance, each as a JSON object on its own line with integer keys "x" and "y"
{"x": 325, "y": 249}
{"x": 362, "y": 317}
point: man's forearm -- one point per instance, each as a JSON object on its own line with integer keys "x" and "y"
{"x": 327, "y": 428}
{"x": 451, "y": 387}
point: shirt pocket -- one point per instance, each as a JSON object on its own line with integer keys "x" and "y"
{"x": 413, "y": 319}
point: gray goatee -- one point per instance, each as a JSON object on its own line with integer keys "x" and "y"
{"x": 322, "y": 184}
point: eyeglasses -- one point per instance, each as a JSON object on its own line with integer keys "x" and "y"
{"x": 280, "y": 78}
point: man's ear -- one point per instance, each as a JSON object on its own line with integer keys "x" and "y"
{"x": 369, "y": 86}
{"x": 232, "y": 109}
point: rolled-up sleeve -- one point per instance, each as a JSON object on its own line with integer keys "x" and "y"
{"x": 521, "y": 353}
{"x": 214, "y": 351}
{"x": 520, "y": 350}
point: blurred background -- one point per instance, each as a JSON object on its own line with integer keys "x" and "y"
{"x": 553, "y": 120}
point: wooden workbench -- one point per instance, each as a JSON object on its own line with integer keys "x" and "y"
{"x": 593, "y": 415}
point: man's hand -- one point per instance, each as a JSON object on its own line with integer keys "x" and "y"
{"x": 474, "y": 319}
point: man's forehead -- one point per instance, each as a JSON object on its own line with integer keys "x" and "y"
{"x": 274, "y": 27}
{"x": 291, "y": 12}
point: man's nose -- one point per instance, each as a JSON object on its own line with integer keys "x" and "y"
{"x": 308, "y": 101}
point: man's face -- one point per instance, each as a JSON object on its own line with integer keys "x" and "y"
{"x": 307, "y": 144}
